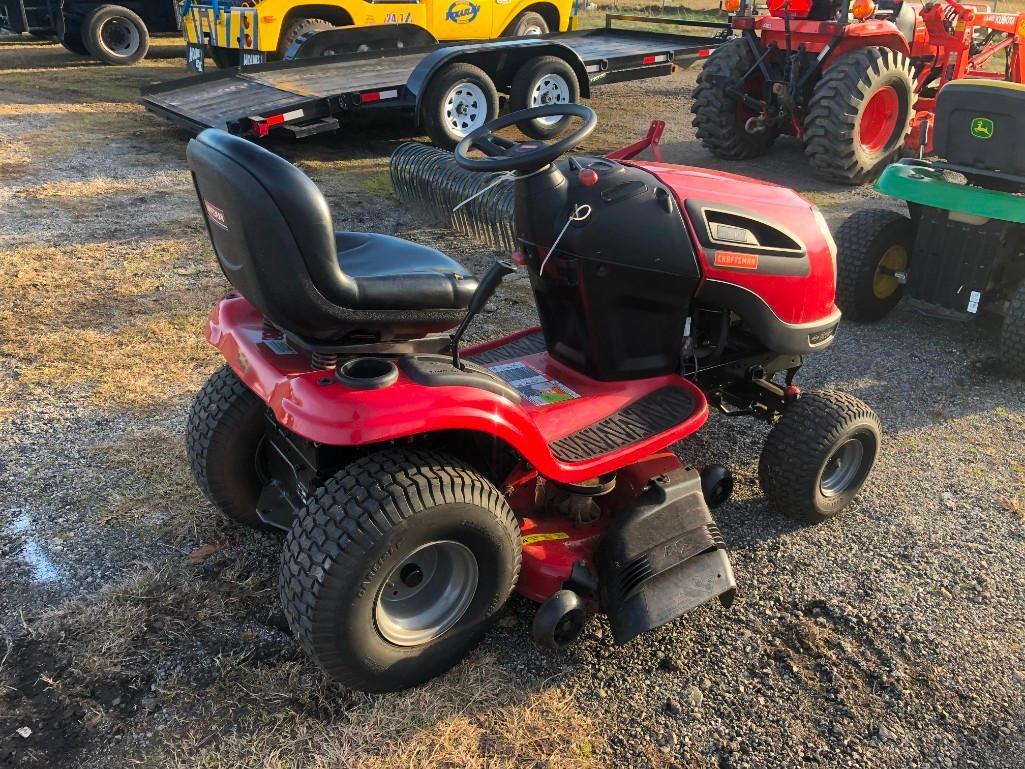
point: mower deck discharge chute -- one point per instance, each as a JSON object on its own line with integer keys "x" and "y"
{"x": 421, "y": 483}
{"x": 961, "y": 248}
{"x": 855, "y": 80}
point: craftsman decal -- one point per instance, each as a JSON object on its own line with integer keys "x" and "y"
{"x": 462, "y": 12}
{"x": 215, "y": 215}
{"x": 982, "y": 128}
{"x": 735, "y": 260}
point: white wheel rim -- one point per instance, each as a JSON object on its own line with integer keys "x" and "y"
{"x": 119, "y": 37}
{"x": 466, "y": 108}
{"x": 533, "y": 31}
{"x": 549, "y": 89}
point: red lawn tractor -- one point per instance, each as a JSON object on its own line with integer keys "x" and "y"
{"x": 855, "y": 80}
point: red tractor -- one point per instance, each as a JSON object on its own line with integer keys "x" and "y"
{"x": 856, "y": 81}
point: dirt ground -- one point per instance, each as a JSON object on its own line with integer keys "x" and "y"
{"x": 138, "y": 628}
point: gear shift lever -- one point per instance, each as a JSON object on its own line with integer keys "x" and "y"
{"x": 491, "y": 280}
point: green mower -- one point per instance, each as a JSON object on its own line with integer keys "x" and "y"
{"x": 960, "y": 249}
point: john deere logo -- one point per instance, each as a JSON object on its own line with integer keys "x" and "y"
{"x": 462, "y": 12}
{"x": 982, "y": 128}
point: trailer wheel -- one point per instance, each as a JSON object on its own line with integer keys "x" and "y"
{"x": 871, "y": 245}
{"x": 1012, "y": 337}
{"x": 296, "y": 28}
{"x": 74, "y": 44}
{"x": 819, "y": 455}
{"x": 719, "y": 117}
{"x": 859, "y": 115}
{"x": 115, "y": 35}
{"x": 393, "y": 571}
{"x": 527, "y": 24}
{"x": 542, "y": 81}
{"x": 459, "y": 99}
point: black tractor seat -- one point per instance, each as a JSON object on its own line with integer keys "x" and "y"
{"x": 272, "y": 232}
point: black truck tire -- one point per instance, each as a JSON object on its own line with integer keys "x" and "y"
{"x": 73, "y": 43}
{"x": 1012, "y": 336}
{"x": 720, "y": 117}
{"x": 368, "y": 534}
{"x": 223, "y": 442}
{"x": 870, "y": 245}
{"x": 859, "y": 115}
{"x": 297, "y": 28}
{"x": 458, "y": 99}
{"x": 115, "y": 35}
{"x": 527, "y": 24}
{"x": 818, "y": 455}
{"x": 542, "y": 81}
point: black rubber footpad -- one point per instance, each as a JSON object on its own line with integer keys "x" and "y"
{"x": 517, "y": 348}
{"x": 652, "y": 414}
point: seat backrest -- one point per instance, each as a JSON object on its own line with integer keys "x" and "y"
{"x": 270, "y": 227}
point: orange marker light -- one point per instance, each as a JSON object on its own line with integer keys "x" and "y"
{"x": 862, "y": 9}
{"x": 731, "y": 6}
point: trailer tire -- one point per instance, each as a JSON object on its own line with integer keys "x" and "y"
{"x": 527, "y": 24}
{"x": 74, "y": 44}
{"x": 870, "y": 244}
{"x": 719, "y": 117}
{"x": 541, "y": 81}
{"x": 296, "y": 28}
{"x": 859, "y": 115}
{"x": 458, "y": 99}
{"x": 1012, "y": 336}
{"x": 360, "y": 536}
{"x": 115, "y": 35}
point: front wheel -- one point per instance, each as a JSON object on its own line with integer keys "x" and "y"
{"x": 459, "y": 100}
{"x": 819, "y": 455}
{"x": 115, "y": 35}
{"x": 873, "y": 251}
{"x": 1012, "y": 337}
{"x": 543, "y": 81}
{"x": 393, "y": 571}
{"x": 527, "y": 24}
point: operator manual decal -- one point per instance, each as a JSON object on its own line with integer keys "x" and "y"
{"x": 534, "y": 386}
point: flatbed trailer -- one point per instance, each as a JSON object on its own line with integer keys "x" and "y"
{"x": 306, "y": 96}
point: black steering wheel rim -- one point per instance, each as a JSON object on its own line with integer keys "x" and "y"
{"x": 531, "y": 159}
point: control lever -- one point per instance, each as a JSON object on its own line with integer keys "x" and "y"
{"x": 491, "y": 280}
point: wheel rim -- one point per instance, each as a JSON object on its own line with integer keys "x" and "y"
{"x": 426, "y": 594}
{"x": 532, "y": 30}
{"x": 466, "y": 108}
{"x": 879, "y": 120}
{"x": 843, "y": 468}
{"x": 119, "y": 36}
{"x": 549, "y": 89}
{"x": 884, "y": 282}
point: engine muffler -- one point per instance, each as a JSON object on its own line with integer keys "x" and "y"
{"x": 663, "y": 558}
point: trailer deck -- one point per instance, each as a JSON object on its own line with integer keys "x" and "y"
{"x": 308, "y": 95}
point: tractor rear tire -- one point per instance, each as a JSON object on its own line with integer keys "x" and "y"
{"x": 1012, "y": 337}
{"x": 394, "y": 570}
{"x": 819, "y": 455}
{"x": 869, "y": 244}
{"x": 859, "y": 115}
{"x": 719, "y": 117}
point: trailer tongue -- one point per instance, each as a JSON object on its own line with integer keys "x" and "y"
{"x": 306, "y": 96}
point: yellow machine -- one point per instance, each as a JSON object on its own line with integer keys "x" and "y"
{"x": 254, "y": 31}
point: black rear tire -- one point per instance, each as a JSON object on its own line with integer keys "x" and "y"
{"x": 527, "y": 24}
{"x": 869, "y": 244}
{"x": 73, "y": 43}
{"x": 801, "y": 469}
{"x": 835, "y": 131}
{"x": 1012, "y": 337}
{"x": 223, "y": 439}
{"x": 441, "y": 120}
{"x": 364, "y": 526}
{"x": 115, "y": 35}
{"x": 719, "y": 117}
{"x": 296, "y": 28}
{"x": 544, "y": 80}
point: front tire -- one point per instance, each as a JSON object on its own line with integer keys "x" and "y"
{"x": 459, "y": 99}
{"x": 223, "y": 441}
{"x": 359, "y": 573}
{"x": 528, "y": 24}
{"x": 859, "y": 115}
{"x": 720, "y": 117}
{"x": 115, "y": 35}
{"x": 543, "y": 81}
{"x": 819, "y": 455}
{"x": 871, "y": 245}
{"x": 1012, "y": 337}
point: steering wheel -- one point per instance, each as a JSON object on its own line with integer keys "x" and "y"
{"x": 505, "y": 155}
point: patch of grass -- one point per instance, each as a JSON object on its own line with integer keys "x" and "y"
{"x": 379, "y": 183}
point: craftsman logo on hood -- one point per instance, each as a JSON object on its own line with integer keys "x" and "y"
{"x": 215, "y": 215}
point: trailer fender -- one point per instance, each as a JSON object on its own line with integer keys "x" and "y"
{"x": 500, "y": 59}
{"x": 376, "y": 37}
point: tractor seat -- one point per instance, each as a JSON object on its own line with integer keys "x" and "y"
{"x": 903, "y": 16}
{"x": 271, "y": 229}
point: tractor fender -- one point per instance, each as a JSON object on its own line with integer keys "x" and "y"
{"x": 499, "y": 59}
{"x": 876, "y": 33}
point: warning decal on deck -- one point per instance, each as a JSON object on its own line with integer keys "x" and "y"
{"x": 533, "y": 386}
{"x": 554, "y": 536}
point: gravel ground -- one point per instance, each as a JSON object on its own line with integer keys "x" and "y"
{"x": 139, "y": 626}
